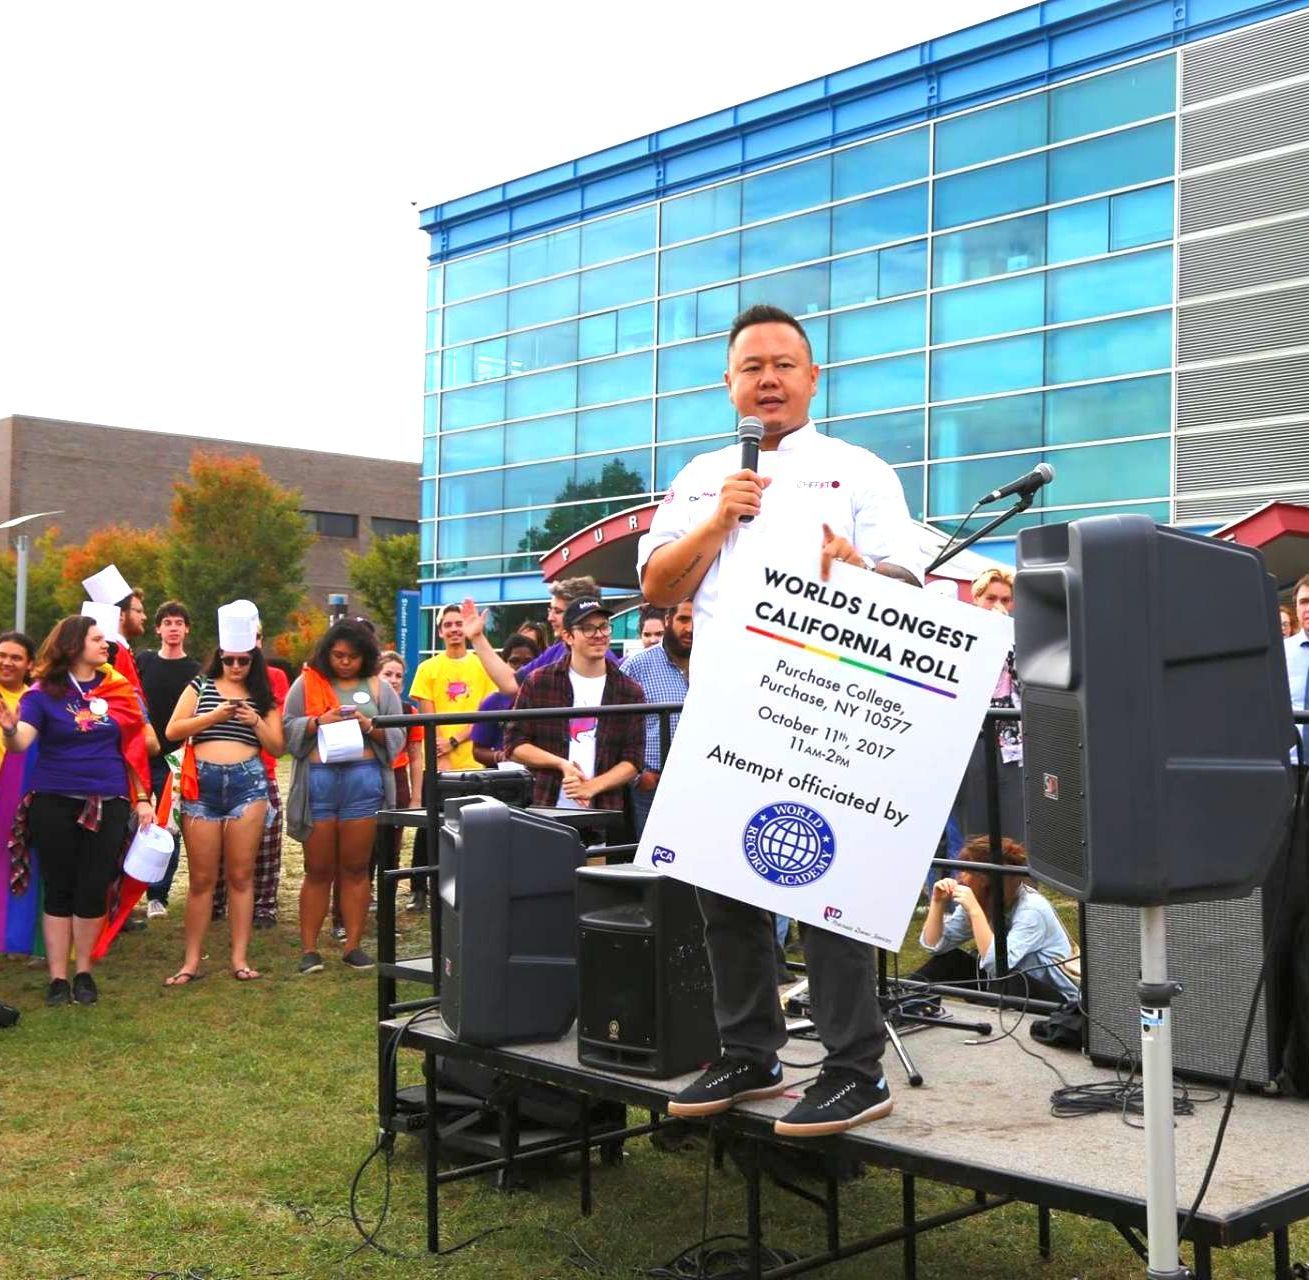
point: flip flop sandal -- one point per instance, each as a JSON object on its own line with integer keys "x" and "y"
{"x": 247, "y": 974}
{"x": 183, "y": 978}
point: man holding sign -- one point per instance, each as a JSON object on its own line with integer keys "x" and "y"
{"x": 850, "y": 503}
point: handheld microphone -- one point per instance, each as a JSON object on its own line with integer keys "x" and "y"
{"x": 1039, "y": 475}
{"x": 749, "y": 431}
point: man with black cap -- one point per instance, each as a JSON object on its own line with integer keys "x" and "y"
{"x": 585, "y": 761}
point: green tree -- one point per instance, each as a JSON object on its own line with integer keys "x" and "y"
{"x": 615, "y": 479}
{"x": 388, "y": 566}
{"x": 138, "y": 553}
{"x": 45, "y": 586}
{"x": 235, "y": 533}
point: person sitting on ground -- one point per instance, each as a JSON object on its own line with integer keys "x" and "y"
{"x": 1037, "y": 944}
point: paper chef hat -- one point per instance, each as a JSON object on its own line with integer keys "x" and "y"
{"x": 238, "y": 626}
{"x": 106, "y": 587}
{"x": 106, "y": 617}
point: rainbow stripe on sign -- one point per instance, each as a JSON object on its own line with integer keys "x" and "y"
{"x": 849, "y": 662}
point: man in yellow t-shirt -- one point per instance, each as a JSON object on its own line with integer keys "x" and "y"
{"x": 454, "y": 680}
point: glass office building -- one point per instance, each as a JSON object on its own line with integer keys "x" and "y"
{"x": 1077, "y": 233}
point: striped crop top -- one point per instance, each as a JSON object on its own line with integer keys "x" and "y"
{"x": 209, "y": 699}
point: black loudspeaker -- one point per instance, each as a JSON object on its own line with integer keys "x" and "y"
{"x": 645, "y": 994}
{"x": 1156, "y": 719}
{"x": 1214, "y": 950}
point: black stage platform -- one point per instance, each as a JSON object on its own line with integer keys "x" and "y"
{"x": 1012, "y": 1148}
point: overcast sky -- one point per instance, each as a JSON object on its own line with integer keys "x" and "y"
{"x": 209, "y": 221}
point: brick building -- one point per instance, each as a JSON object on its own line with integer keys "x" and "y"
{"x": 98, "y": 475}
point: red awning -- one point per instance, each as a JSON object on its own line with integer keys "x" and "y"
{"x": 605, "y": 550}
{"x": 1281, "y": 531}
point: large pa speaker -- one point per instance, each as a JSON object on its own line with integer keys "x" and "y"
{"x": 1214, "y": 950}
{"x": 1156, "y": 719}
{"x": 645, "y": 999}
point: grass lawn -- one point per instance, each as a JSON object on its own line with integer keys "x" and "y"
{"x": 213, "y": 1131}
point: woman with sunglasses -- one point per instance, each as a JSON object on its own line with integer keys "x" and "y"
{"x": 228, "y": 715}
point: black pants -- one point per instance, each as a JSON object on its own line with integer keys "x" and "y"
{"x": 960, "y": 966}
{"x": 842, "y": 988}
{"x": 77, "y": 865}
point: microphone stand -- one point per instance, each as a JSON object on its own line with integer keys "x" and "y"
{"x": 952, "y": 549}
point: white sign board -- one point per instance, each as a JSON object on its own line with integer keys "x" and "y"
{"x": 824, "y": 736}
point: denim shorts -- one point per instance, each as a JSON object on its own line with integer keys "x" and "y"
{"x": 345, "y": 791}
{"x": 227, "y": 790}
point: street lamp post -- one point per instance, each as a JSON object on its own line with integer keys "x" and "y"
{"x": 22, "y": 547}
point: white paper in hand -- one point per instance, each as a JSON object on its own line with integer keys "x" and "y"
{"x": 339, "y": 741}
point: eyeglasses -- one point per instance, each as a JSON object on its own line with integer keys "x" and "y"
{"x": 594, "y": 629}
{"x": 236, "y": 659}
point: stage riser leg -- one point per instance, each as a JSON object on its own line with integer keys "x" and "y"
{"x": 908, "y": 1217}
{"x": 1043, "y": 1232}
{"x": 433, "y": 1187}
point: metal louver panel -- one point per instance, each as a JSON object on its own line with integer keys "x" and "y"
{"x": 1242, "y": 326}
{"x": 1273, "y": 51}
{"x": 1229, "y": 506}
{"x": 1260, "y": 189}
{"x": 1231, "y": 129}
{"x": 1250, "y": 256}
{"x": 1252, "y": 389}
{"x": 1244, "y": 458}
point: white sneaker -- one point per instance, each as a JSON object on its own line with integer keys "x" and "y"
{"x": 155, "y": 910}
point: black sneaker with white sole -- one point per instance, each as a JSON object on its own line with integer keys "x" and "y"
{"x": 723, "y": 1085}
{"x": 838, "y": 1100}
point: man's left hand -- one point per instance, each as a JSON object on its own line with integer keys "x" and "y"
{"x": 835, "y": 548}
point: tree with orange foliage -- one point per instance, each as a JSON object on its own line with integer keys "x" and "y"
{"x": 296, "y": 643}
{"x": 138, "y": 553}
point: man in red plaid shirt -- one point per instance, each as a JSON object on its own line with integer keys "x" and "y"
{"x": 585, "y": 761}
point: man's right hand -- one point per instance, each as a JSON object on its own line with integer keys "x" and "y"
{"x": 741, "y": 495}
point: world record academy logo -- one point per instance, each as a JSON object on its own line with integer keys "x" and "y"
{"x": 789, "y": 844}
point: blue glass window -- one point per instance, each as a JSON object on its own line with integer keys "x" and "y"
{"x": 1113, "y": 284}
{"x": 995, "y": 131}
{"x": 467, "y": 450}
{"x": 475, "y": 319}
{"x": 481, "y": 273}
{"x": 623, "y": 282}
{"x": 612, "y": 332}
{"x": 700, "y": 263}
{"x": 427, "y": 538}
{"x": 696, "y": 364}
{"x": 911, "y": 481}
{"x": 431, "y": 413}
{"x": 433, "y": 330}
{"x": 541, "y": 348}
{"x": 546, "y": 482}
{"x": 672, "y": 458}
{"x": 886, "y": 162}
{"x": 1116, "y": 160}
{"x": 1012, "y": 245}
{"x": 800, "y": 291}
{"x": 883, "y": 384}
{"x": 791, "y": 240}
{"x": 986, "y": 426}
{"x": 715, "y": 309}
{"x": 540, "y": 438}
{"x": 1104, "y": 102}
{"x": 619, "y": 473}
{"x": 548, "y": 255}
{"x": 614, "y": 427}
{"x": 953, "y": 487}
{"x": 1006, "y": 364}
{"x": 1077, "y": 231}
{"x": 798, "y": 186}
{"x": 636, "y": 327}
{"x": 473, "y": 406}
{"x": 877, "y": 331}
{"x": 456, "y": 366}
{"x": 1141, "y": 217}
{"x": 434, "y": 277}
{"x": 892, "y": 216}
{"x": 542, "y": 393}
{"x": 1130, "y": 345}
{"x": 1102, "y": 473}
{"x": 465, "y": 539}
{"x": 983, "y": 309}
{"x": 431, "y": 372}
{"x": 699, "y": 413}
{"x": 427, "y": 501}
{"x": 902, "y": 269}
{"x": 538, "y": 303}
{"x": 894, "y": 437}
{"x": 472, "y": 491}
{"x": 430, "y": 455}
{"x": 701, "y": 213}
{"x": 677, "y": 318}
{"x": 1102, "y": 410}
{"x": 984, "y": 193}
{"x": 619, "y": 236}
{"x": 619, "y": 379}
{"x": 854, "y": 279}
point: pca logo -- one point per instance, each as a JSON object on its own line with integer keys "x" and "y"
{"x": 832, "y": 913}
{"x": 789, "y": 844}
{"x": 662, "y": 856}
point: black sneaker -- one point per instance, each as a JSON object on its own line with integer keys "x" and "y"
{"x": 58, "y": 992}
{"x": 311, "y": 962}
{"x": 84, "y": 991}
{"x": 727, "y": 1082}
{"x": 357, "y": 959}
{"x": 838, "y": 1100}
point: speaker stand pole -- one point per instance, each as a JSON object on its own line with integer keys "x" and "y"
{"x": 1157, "y": 992}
